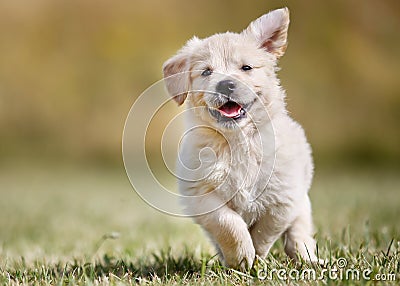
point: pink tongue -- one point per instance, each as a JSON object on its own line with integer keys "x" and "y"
{"x": 230, "y": 109}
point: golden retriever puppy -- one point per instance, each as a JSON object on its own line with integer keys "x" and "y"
{"x": 244, "y": 165}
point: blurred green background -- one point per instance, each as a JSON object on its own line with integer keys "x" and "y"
{"x": 70, "y": 71}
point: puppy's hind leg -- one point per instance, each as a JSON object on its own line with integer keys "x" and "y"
{"x": 299, "y": 236}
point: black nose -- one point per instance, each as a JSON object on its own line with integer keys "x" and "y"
{"x": 225, "y": 87}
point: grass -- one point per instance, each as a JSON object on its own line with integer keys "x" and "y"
{"x": 77, "y": 226}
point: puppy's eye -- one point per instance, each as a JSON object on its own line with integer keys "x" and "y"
{"x": 206, "y": 72}
{"x": 246, "y": 68}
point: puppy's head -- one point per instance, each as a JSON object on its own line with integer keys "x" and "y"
{"x": 229, "y": 79}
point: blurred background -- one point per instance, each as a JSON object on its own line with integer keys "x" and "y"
{"x": 70, "y": 71}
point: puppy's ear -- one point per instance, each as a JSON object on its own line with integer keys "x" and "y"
{"x": 177, "y": 72}
{"x": 270, "y": 31}
{"x": 176, "y": 77}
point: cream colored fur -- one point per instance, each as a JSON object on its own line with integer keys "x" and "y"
{"x": 247, "y": 184}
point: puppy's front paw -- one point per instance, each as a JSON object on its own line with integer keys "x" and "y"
{"x": 240, "y": 257}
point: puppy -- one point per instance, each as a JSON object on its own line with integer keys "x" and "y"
{"x": 244, "y": 165}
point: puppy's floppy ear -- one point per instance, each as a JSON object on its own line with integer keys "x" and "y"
{"x": 177, "y": 72}
{"x": 270, "y": 31}
{"x": 176, "y": 77}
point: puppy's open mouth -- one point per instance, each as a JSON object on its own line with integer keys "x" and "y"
{"x": 229, "y": 111}
{"x": 232, "y": 110}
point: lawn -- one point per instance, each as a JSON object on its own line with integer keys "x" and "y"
{"x": 83, "y": 225}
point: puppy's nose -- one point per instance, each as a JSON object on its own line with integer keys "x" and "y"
{"x": 226, "y": 87}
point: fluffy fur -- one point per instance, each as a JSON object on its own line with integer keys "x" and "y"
{"x": 244, "y": 180}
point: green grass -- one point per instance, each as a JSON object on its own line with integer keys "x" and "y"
{"x": 76, "y": 225}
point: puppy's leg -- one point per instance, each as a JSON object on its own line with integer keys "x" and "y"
{"x": 299, "y": 236}
{"x": 229, "y": 231}
{"x": 265, "y": 232}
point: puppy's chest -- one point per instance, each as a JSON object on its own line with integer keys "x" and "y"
{"x": 240, "y": 175}
{"x": 238, "y": 171}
